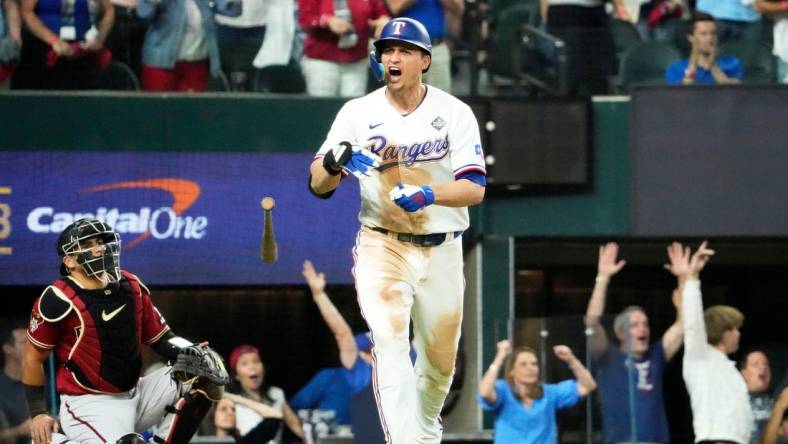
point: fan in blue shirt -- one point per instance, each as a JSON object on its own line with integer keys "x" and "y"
{"x": 704, "y": 67}
{"x": 524, "y": 407}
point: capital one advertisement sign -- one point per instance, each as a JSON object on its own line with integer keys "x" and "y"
{"x": 184, "y": 218}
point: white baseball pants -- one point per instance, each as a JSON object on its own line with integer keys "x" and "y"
{"x": 99, "y": 419}
{"x": 397, "y": 281}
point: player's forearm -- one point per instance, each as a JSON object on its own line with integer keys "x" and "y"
{"x": 33, "y": 378}
{"x": 321, "y": 182}
{"x": 33, "y": 366}
{"x": 460, "y": 193}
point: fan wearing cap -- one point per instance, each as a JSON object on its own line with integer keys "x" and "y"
{"x": 417, "y": 154}
{"x": 95, "y": 319}
{"x": 253, "y": 396}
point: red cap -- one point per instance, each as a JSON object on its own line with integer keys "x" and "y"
{"x": 241, "y": 350}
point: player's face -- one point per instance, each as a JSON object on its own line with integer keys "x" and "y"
{"x": 94, "y": 244}
{"x": 224, "y": 418}
{"x": 756, "y": 372}
{"x": 730, "y": 340}
{"x": 250, "y": 371}
{"x": 404, "y": 64}
{"x": 525, "y": 370}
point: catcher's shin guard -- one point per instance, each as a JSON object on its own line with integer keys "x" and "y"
{"x": 189, "y": 412}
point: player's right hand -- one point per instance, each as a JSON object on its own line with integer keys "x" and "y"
{"x": 352, "y": 159}
{"x": 41, "y": 428}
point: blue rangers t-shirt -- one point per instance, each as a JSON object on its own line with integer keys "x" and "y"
{"x": 610, "y": 371}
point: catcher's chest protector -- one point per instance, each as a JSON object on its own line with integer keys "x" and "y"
{"x": 106, "y": 355}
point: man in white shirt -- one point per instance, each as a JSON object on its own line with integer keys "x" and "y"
{"x": 720, "y": 402}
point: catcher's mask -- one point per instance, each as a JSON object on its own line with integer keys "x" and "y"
{"x": 100, "y": 261}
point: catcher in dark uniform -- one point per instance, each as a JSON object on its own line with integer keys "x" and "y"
{"x": 96, "y": 318}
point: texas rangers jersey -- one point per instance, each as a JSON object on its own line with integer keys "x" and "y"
{"x": 96, "y": 334}
{"x": 432, "y": 145}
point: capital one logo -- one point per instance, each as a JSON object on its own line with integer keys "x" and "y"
{"x": 398, "y": 27}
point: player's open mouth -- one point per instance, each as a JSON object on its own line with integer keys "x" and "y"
{"x": 394, "y": 73}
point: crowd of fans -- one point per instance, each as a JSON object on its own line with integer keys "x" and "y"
{"x": 179, "y": 45}
{"x": 730, "y": 403}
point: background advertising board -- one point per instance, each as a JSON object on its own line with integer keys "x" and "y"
{"x": 184, "y": 218}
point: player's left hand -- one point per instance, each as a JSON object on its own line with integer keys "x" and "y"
{"x": 411, "y": 197}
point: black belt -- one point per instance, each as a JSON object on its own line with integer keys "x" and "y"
{"x": 421, "y": 240}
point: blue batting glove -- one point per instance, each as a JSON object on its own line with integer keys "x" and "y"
{"x": 412, "y": 198}
{"x": 351, "y": 159}
{"x": 361, "y": 161}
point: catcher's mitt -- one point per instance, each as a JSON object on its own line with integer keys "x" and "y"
{"x": 202, "y": 362}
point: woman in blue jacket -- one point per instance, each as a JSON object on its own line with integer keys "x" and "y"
{"x": 180, "y": 46}
{"x": 524, "y": 407}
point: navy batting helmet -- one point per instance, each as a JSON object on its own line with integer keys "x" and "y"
{"x": 406, "y": 30}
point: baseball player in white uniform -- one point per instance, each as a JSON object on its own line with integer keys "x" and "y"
{"x": 418, "y": 157}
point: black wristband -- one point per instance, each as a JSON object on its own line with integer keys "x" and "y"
{"x": 328, "y": 164}
{"x": 35, "y": 400}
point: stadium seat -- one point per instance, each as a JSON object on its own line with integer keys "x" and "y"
{"x": 676, "y": 35}
{"x": 219, "y": 83}
{"x": 759, "y": 63}
{"x": 505, "y": 36}
{"x": 645, "y": 63}
{"x": 624, "y": 35}
{"x": 280, "y": 79}
{"x": 118, "y": 77}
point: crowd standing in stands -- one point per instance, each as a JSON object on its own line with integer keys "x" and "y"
{"x": 525, "y": 407}
{"x": 704, "y": 66}
{"x": 180, "y": 47}
{"x": 127, "y": 35}
{"x": 610, "y": 362}
{"x": 432, "y": 14}
{"x": 335, "y": 62}
{"x": 583, "y": 26}
{"x": 63, "y": 43}
{"x": 736, "y": 19}
{"x": 240, "y": 38}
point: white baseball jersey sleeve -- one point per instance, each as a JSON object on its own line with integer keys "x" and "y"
{"x": 433, "y": 145}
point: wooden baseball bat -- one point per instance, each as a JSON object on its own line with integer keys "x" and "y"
{"x": 268, "y": 249}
